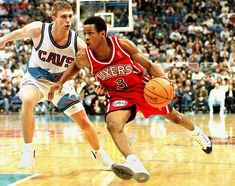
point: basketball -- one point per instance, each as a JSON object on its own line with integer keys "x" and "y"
{"x": 159, "y": 92}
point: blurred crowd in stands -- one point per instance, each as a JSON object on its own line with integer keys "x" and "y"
{"x": 192, "y": 40}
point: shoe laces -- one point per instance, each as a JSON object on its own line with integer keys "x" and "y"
{"x": 202, "y": 140}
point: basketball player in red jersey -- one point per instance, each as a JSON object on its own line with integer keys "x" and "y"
{"x": 119, "y": 67}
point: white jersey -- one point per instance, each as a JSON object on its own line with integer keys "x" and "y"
{"x": 49, "y": 60}
{"x": 47, "y": 64}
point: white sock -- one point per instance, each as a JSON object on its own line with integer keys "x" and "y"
{"x": 132, "y": 157}
{"x": 195, "y": 131}
{"x": 28, "y": 146}
{"x": 98, "y": 150}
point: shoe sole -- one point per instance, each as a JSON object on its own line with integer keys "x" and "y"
{"x": 122, "y": 171}
{"x": 208, "y": 150}
{"x": 126, "y": 173}
{"x": 141, "y": 177}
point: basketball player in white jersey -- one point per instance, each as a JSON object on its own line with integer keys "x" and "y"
{"x": 54, "y": 48}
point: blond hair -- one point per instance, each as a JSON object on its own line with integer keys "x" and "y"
{"x": 60, "y": 5}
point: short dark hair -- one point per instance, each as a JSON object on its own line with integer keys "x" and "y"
{"x": 98, "y": 22}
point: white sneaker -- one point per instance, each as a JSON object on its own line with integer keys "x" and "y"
{"x": 103, "y": 156}
{"x": 27, "y": 159}
{"x": 131, "y": 169}
{"x": 202, "y": 140}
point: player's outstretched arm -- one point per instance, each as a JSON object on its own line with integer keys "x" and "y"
{"x": 73, "y": 69}
{"x": 152, "y": 68}
{"x": 31, "y": 30}
{"x": 70, "y": 72}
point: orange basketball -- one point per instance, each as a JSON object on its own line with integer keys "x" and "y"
{"x": 159, "y": 92}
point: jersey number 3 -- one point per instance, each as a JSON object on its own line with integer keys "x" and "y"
{"x": 121, "y": 84}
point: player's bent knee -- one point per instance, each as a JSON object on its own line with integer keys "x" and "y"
{"x": 28, "y": 103}
{"x": 114, "y": 127}
{"x": 82, "y": 120}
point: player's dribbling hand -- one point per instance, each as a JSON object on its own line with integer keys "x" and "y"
{"x": 171, "y": 81}
{"x": 56, "y": 87}
{"x": 100, "y": 90}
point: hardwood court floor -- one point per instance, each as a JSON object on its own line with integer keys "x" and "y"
{"x": 64, "y": 158}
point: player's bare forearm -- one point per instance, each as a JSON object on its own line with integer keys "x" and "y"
{"x": 156, "y": 71}
{"x": 152, "y": 68}
{"x": 15, "y": 35}
{"x": 68, "y": 74}
{"x": 31, "y": 30}
{"x": 71, "y": 71}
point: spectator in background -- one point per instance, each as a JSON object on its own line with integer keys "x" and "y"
{"x": 3, "y": 11}
{"x": 5, "y": 29}
{"x": 41, "y": 108}
{"x": 188, "y": 98}
{"x": 224, "y": 85}
{"x": 224, "y": 33}
{"x": 177, "y": 101}
{"x": 4, "y": 100}
{"x": 6, "y": 22}
{"x": 201, "y": 98}
{"x": 231, "y": 61}
{"x": 230, "y": 99}
{"x": 207, "y": 57}
{"x": 216, "y": 97}
{"x": 216, "y": 57}
{"x": 198, "y": 74}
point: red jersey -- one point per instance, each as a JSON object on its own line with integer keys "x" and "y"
{"x": 120, "y": 72}
{"x": 124, "y": 80}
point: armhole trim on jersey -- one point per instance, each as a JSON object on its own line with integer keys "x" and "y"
{"x": 42, "y": 37}
{"x": 119, "y": 46}
{"x": 76, "y": 42}
{"x": 89, "y": 59}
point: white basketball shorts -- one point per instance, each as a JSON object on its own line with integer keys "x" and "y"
{"x": 67, "y": 101}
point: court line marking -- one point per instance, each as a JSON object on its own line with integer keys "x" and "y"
{"x": 189, "y": 162}
{"x": 24, "y": 179}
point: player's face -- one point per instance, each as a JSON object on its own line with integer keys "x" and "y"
{"x": 64, "y": 19}
{"x": 92, "y": 37}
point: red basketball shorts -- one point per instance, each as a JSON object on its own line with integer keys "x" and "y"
{"x": 135, "y": 98}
